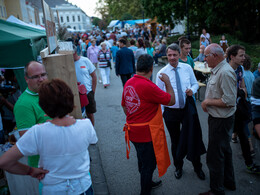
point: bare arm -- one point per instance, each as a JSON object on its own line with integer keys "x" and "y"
{"x": 9, "y": 162}
{"x": 22, "y": 132}
{"x": 124, "y": 108}
{"x": 212, "y": 102}
{"x": 94, "y": 81}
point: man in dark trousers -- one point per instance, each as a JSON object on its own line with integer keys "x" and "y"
{"x": 141, "y": 101}
{"x": 181, "y": 119}
{"x": 125, "y": 62}
{"x": 220, "y": 104}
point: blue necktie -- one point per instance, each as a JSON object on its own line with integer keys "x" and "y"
{"x": 179, "y": 89}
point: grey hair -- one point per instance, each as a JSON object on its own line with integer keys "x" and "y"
{"x": 216, "y": 49}
{"x": 103, "y": 44}
{"x": 259, "y": 65}
{"x": 174, "y": 47}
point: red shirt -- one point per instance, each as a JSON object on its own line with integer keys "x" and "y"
{"x": 141, "y": 97}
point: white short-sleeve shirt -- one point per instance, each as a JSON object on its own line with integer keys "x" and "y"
{"x": 63, "y": 150}
{"x": 84, "y": 68}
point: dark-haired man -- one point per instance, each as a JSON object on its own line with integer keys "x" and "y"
{"x": 125, "y": 61}
{"x": 236, "y": 56}
{"x": 141, "y": 101}
{"x": 185, "y": 46}
{"x": 188, "y": 139}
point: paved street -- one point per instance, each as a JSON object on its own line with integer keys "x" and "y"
{"x": 122, "y": 175}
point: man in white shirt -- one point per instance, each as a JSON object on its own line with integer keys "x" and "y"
{"x": 184, "y": 84}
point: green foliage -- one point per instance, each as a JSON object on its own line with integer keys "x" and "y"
{"x": 240, "y": 18}
{"x": 102, "y": 8}
{"x": 126, "y": 16}
{"x": 253, "y": 50}
{"x": 124, "y": 9}
{"x": 95, "y": 21}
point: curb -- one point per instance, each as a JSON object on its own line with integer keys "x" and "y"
{"x": 99, "y": 182}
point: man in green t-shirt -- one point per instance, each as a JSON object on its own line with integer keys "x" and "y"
{"x": 185, "y": 46}
{"x": 27, "y": 110}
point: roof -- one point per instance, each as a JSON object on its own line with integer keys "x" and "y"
{"x": 113, "y": 23}
{"x": 133, "y": 22}
{"x": 51, "y": 3}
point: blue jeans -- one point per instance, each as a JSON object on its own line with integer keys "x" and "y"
{"x": 146, "y": 165}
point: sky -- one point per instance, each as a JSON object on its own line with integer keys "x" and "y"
{"x": 88, "y": 6}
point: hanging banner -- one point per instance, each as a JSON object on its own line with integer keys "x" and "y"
{"x": 50, "y": 27}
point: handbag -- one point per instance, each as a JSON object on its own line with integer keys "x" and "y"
{"x": 83, "y": 95}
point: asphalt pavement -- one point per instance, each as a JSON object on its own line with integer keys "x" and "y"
{"x": 113, "y": 174}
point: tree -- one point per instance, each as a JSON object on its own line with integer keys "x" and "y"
{"x": 95, "y": 21}
{"x": 121, "y": 10}
{"x": 240, "y": 18}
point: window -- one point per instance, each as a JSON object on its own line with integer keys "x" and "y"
{"x": 74, "y": 27}
{"x": 73, "y": 18}
{"x": 79, "y": 18}
{"x": 79, "y": 27}
{"x": 2, "y": 13}
{"x": 61, "y": 19}
{"x": 5, "y": 12}
{"x": 68, "y": 19}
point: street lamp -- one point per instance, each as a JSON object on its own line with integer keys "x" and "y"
{"x": 187, "y": 14}
{"x": 143, "y": 12}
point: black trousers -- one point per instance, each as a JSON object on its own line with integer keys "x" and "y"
{"x": 173, "y": 119}
{"x": 124, "y": 78}
{"x": 240, "y": 129}
{"x": 146, "y": 165}
{"x": 219, "y": 154}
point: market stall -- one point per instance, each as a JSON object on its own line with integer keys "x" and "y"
{"x": 18, "y": 45}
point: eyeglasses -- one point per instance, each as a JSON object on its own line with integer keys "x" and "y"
{"x": 210, "y": 54}
{"x": 43, "y": 75}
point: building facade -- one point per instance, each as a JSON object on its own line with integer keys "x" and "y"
{"x": 70, "y": 16}
{"x": 3, "y": 12}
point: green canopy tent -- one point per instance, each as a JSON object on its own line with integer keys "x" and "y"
{"x": 18, "y": 45}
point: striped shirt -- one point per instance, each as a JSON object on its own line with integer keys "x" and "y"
{"x": 103, "y": 58}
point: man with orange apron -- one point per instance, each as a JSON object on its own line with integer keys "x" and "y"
{"x": 141, "y": 102}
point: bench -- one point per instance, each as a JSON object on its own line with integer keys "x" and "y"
{"x": 163, "y": 60}
{"x": 198, "y": 93}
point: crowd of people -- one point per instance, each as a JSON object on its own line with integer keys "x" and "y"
{"x": 232, "y": 101}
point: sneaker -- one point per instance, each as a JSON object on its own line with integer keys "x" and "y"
{"x": 234, "y": 139}
{"x": 155, "y": 64}
{"x": 253, "y": 169}
{"x": 156, "y": 184}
